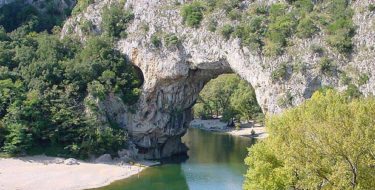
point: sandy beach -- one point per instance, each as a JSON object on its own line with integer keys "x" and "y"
{"x": 217, "y": 126}
{"x": 43, "y": 173}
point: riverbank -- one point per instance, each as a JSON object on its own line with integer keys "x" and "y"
{"x": 46, "y": 173}
{"x": 216, "y": 125}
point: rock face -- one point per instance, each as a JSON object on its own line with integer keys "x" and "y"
{"x": 174, "y": 76}
{"x": 105, "y": 158}
{"x": 71, "y": 161}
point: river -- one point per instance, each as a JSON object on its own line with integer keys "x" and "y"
{"x": 214, "y": 162}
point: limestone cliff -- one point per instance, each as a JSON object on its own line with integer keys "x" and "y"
{"x": 174, "y": 76}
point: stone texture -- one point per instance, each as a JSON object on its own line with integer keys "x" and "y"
{"x": 104, "y": 158}
{"x": 173, "y": 77}
{"x": 130, "y": 154}
{"x": 71, "y": 161}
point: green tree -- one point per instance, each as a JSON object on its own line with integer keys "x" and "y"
{"x": 244, "y": 101}
{"x": 227, "y": 96}
{"x": 44, "y": 82}
{"x": 217, "y": 93}
{"x": 18, "y": 140}
{"x": 326, "y": 143}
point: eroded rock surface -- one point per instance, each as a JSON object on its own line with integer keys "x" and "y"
{"x": 174, "y": 76}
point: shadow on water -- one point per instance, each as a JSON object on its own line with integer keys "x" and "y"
{"x": 166, "y": 176}
{"x": 214, "y": 161}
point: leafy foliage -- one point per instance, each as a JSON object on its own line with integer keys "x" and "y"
{"x": 268, "y": 28}
{"x": 371, "y": 7}
{"x": 43, "y": 85}
{"x": 227, "y": 96}
{"x": 115, "y": 21}
{"x": 363, "y": 79}
{"x": 352, "y": 91}
{"x": 280, "y": 73}
{"x": 16, "y": 14}
{"x": 306, "y": 28}
{"x": 17, "y": 140}
{"x": 192, "y": 13}
{"x": 327, "y": 67}
{"x": 171, "y": 40}
{"x": 244, "y": 101}
{"x": 226, "y": 31}
{"x": 341, "y": 28}
{"x": 155, "y": 40}
{"x": 81, "y": 6}
{"x": 325, "y": 143}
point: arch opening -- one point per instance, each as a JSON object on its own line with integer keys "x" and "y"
{"x": 177, "y": 105}
{"x": 229, "y": 99}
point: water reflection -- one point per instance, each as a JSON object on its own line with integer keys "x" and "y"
{"x": 214, "y": 161}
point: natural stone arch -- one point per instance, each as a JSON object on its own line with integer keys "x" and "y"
{"x": 173, "y": 76}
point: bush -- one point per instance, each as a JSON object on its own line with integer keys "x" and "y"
{"x": 226, "y": 31}
{"x": 304, "y": 6}
{"x": 341, "y": 38}
{"x": 155, "y": 40}
{"x": 171, "y": 40}
{"x": 363, "y": 79}
{"x": 202, "y": 111}
{"x": 228, "y": 5}
{"x": 96, "y": 89}
{"x": 3, "y": 133}
{"x": 279, "y": 29}
{"x": 258, "y": 9}
{"x": 285, "y": 101}
{"x": 260, "y": 118}
{"x": 315, "y": 48}
{"x": 280, "y": 73}
{"x": 115, "y": 21}
{"x": 345, "y": 79}
{"x": 192, "y": 14}
{"x": 341, "y": 28}
{"x": 237, "y": 126}
{"x": 18, "y": 140}
{"x": 81, "y": 6}
{"x": 371, "y": 7}
{"x": 86, "y": 27}
{"x": 212, "y": 25}
{"x": 98, "y": 140}
{"x": 251, "y": 32}
{"x": 327, "y": 67}
{"x": 235, "y": 14}
{"x": 352, "y": 91}
{"x": 44, "y": 88}
{"x": 34, "y": 17}
{"x": 306, "y": 28}
{"x": 316, "y": 145}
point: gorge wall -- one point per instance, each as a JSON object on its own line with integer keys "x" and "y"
{"x": 174, "y": 76}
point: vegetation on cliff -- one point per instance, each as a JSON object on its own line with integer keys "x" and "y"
{"x": 269, "y": 28}
{"x": 326, "y": 143}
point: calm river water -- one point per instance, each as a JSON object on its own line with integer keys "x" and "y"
{"x": 214, "y": 162}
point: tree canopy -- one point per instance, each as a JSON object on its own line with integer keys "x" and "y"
{"x": 326, "y": 143}
{"x": 47, "y": 84}
{"x": 227, "y": 96}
